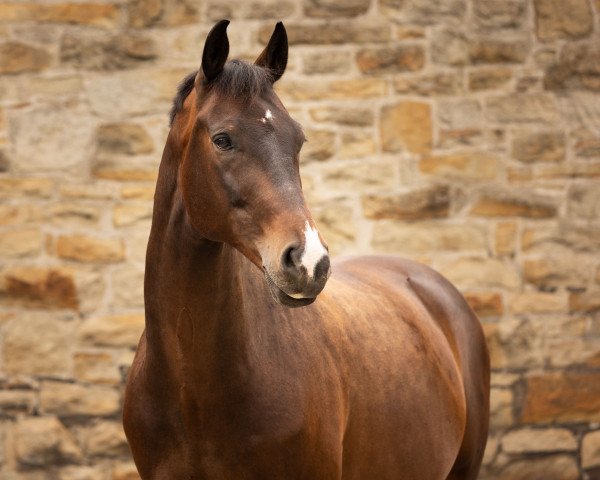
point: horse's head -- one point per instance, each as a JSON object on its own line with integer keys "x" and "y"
{"x": 239, "y": 174}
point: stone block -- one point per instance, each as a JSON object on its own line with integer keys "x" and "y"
{"x": 325, "y": 61}
{"x": 514, "y": 344}
{"x": 132, "y": 214}
{"x": 522, "y": 108}
{"x": 505, "y": 203}
{"x": 537, "y": 302}
{"x": 535, "y": 440}
{"x": 330, "y": 33}
{"x": 16, "y": 57}
{"x": 562, "y": 19}
{"x": 435, "y": 84}
{"x": 539, "y": 147}
{"x": 590, "y": 450}
{"x": 146, "y": 13}
{"x": 406, "y": 126}
{"x": 85, "y": 249}
{"x": 72, "y": 399}
{"x": 485, "y": 304}
{"x": 460, "y": 114}
{"x": 426, "y": 12}
{"x": 357, "y": 144}
{"x": 73, "y": 214}
{"x": 85, "y": 13}
{"x": 402, "y": 238}
{"x": 477, "y": 272}
{"x": 450, "y": 47}
{"x": 41, "y": 441}
{"x": 489, "y": 78}
{"x": 104, "y": 439}
{"x": 483, "y": 50}
{"x": 112, "y": 331}
{"x": 123, "y": 138}
{"x": 138, "y": 192}
{"x": 584, "y": 301}
{"x": 125, "y": 471}
{"x": 96, "y": 367}
{"x": 319, "y": 147}
{"x": 335, "y": 9}
{"x": 21, "y": 242}
{"x": 15, "y": 187}
{"x": 555, "y": 467}
{"x": 350, "y": 116}
{"x": 345, "y": 89}
{"x": 128, "y": 287}
{"x": 496, "y": 14}
{"x": 501, "y": 407}
{"x": 359, "y": 177}
{"x": 505, "y": 238}
{"x": 461, "y": 165}
{"x": 417, "y": 204}
{"x": 337, "y": 225}
{"x": 38, "y": 344}
{"x": 17, "y": 401}
{"x": 401, "y": 58}
{"x": 577, "y": 68}
{"x": 39, "y": 287}
{"x": 584, "y": 201}
{"x": 566, "y": 397}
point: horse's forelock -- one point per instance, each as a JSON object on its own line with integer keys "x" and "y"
{"x": 239, "y": 79}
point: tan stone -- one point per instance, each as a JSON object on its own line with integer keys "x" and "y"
{"x": 73, "y": 472}
{"x": 577, "y": 68}
{"x": 40, "y": 441}
{"x": 555, "y": 265}
{"x": 477, "y": 272}
{"x": 97, "y": 14}
{"x": 422, "y": 203}
{"x": 23, "y": 242}
{"x": 462, "y": 165}
{"x": 143, "y": 13}
{"x": 429, "y": 84}
{"x": 590, "y": 450}
{"x": 530, "y": 440}
{"x": 402, "y": 238}
{"x": 515, "y": 344}
{"x": 46, "y": 130}
{"x": 450, "y": 47}
{"x": 18, "y": 57}
{"x": 96, "y": 367}
{"x": 332, "y": 33}
{"x": 495, "y": 14}
{"x": 105, "y": 439}
{"x": 406, "y": 126}
{"x": 562, "y": 18}
{"x": 584, "y": 201}
{"x": 26, "y": 187}
{"x": 485, "y": 304}
{"x": 89, "y": 249}
{"x": 401, "y": 58}
{"x": 320, "y": 145}
{"x": 501, "y": 379}
{"x": 125, "y": 471}
{"x": 331, "y": 61}
{"x": 460, "y": 114}
{"x": 91, "y": 191}
{"x": 335, "y": 9}
{"x": 39, "y": 287}
{"x": 124, "y": 138}
{"x": 493, "y": 50}
{"x": 522, "y": 108}
{"x": 358, "y": 117}
{"x": 12, "y": 401}
{"x": 128, "y": 287}
{"x": 331, "y": 90}
{"x": 115, "y": 170}
{"x": 138, "y": 192}
{"x": 426, "y": 12}
{"x": 36, "y": 344}
{"x": 337, "y": 226}
{"x": 112, "y": 331}
{"x": 357, "y": 144}
{"x": 505, "y": 203}
{"x": 537, "y": 302}
{"x": 539, "y": 147}
{"x": 129, "y": 214}
{"x": 358, "y": 177}
{"x": 587, "y": 301}
{"x": 52, "y": 87}
{"x": 489, "y": 79}
{"x": 505, "y": 238}
{"x": 556, "y": 467}
{"x": 501, "y": 406}
{"x": 587, "y": 143}
{"x": 71, "y": 399}
{"x": 562, "y": 397}
{"x": 74, "y": 214}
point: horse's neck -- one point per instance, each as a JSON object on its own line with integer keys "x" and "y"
{"x": 197, "y": 293}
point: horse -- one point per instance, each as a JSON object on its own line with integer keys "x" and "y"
{"x": 261, "y": 358}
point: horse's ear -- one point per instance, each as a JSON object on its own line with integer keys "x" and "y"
{"x": 275, "y": 55}
{"x": 215, "y": 51}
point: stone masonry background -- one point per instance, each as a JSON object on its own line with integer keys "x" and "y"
{"x": 462, "y": 133}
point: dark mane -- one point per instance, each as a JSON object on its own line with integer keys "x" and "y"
{"x": 238, "y": 79}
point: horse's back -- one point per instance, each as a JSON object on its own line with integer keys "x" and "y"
{"x": 409, "y": 328}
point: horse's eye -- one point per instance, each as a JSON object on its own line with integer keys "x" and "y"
{"x": 223, "y": 141}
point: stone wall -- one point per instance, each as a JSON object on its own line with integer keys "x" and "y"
{"x": 462, "y": 133}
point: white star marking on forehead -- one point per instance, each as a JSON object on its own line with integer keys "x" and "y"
{"x": 268, "y": 116}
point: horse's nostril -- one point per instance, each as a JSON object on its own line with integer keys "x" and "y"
{"x": 289, "y": 257}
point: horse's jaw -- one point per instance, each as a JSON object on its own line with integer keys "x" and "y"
{"x": 285, "y": 299}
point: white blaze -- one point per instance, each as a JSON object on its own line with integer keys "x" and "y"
{"x": 314, "y": 250}
{"x": 268, "y": 116}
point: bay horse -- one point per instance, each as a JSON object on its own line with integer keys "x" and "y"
{"x": 384, "y": 376}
